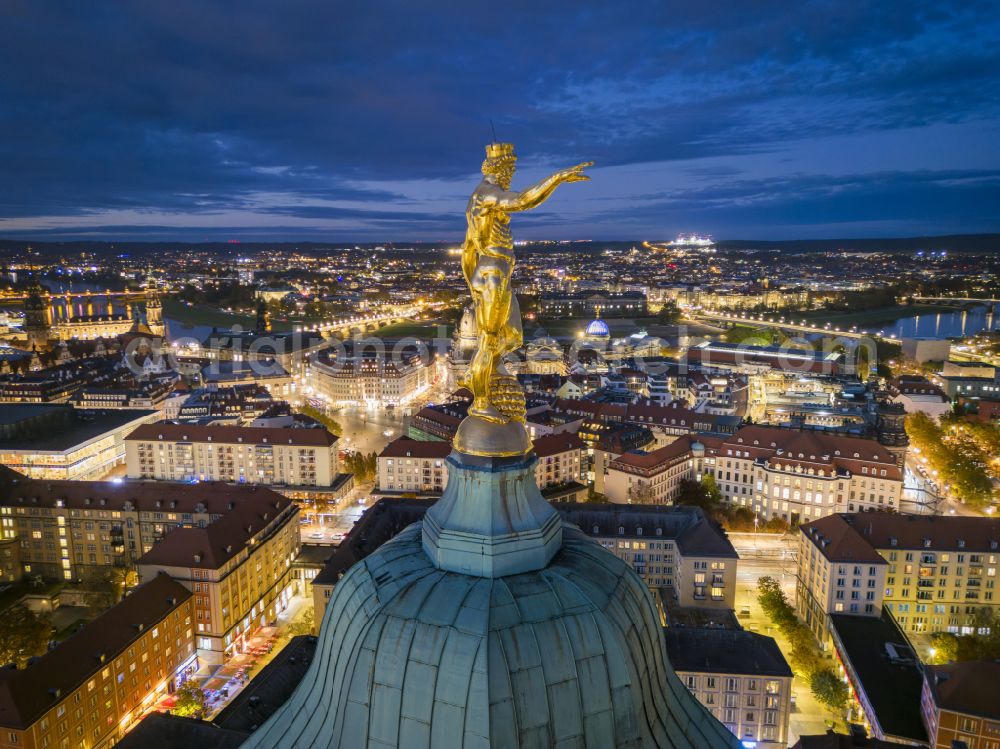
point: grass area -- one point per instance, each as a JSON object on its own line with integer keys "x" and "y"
{"x": 410, "y": 329}
{"x": 200, "y": 314}
{"x": 568, "y": 328}
{"x": 877, "y": 316}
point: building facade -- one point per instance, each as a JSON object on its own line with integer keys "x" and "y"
{"x": 418, "y": 467}
{"x": 935, "y": 573}
{"x": 374, "y": 382}
{"x": 90, "y": 689}
{"x": 959, "y": 705}
{"x": 238, "y": 567}
{"x": 68, "y": 444}
{"x": 793, "y": 474}
{"x": 741, "y": 677}
{"x": 79, "y": 530}
{"x": 271, "y": 456}
{"x": 838, "y": 573}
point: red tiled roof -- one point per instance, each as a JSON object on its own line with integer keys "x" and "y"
{"x": 812, "y": 448}
{"x": 944, "y": 532}
{"x": 218, "y": 542}
{"x": 968, "y": 688}
{"x": 405, "y": 447}
{"x": 232, "y": 434}
{"x": 662, "y": 456}
{"x": 553, "y": 444}
{"x": 839, "y": 540}
{"x": 16, "y": 490}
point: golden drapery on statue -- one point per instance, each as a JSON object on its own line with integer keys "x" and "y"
{"x": 495, "y": 425}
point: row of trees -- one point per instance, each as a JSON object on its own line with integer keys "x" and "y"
{"x": 706, "y": 495}
{"x": 328, "y": 421}
{"x": 959, "y": 452}
{"x": 806, "y": 660}
{"x": 364, "y": 467}
{"x": 947, "y": 647}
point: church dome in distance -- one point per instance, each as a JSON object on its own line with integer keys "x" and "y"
{"x": 598, "y": 329}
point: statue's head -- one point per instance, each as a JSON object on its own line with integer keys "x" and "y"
{"x": 499, "y": 163}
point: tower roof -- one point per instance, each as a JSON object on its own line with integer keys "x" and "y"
{"x": 412, "y": 655}
{"x": 598, "y": 329}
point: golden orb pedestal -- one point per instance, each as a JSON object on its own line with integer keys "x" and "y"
{"x": 476, "y": 436}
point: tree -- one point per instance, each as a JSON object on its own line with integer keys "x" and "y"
{"x": 828, "y": 688}
{"x": 699, "y": 494}
{"x": 669, "y": 313}
{"x": 770, "y": 596}
{"x": 804, "y": 655}
{"x": 641, "y": 494}
{"x": 314, "y": 413}
{"x": 190, "y": 700}
{"x": 23, "y": 634}
{"x": 711, "y": 489}
{"x": 944, "y": 648}
{"x": 302, "y": 625}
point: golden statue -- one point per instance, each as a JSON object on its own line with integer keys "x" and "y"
{"x": 488, "y": 263}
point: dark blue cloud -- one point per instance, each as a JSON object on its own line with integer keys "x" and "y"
{"x": 208, "y": 118}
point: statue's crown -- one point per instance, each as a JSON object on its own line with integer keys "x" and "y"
{"x": 500, "y": 150}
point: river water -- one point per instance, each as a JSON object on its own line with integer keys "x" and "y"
{"x": 946, "y": 324}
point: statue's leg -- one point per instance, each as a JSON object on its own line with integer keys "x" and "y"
{"x": 488, "y": 282}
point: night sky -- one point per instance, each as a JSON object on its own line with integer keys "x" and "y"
{"x": 341, "y": 120}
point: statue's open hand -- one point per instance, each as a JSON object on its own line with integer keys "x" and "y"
{"x": 575, "y": 174}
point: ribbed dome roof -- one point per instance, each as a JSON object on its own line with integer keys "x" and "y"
{"x": 571, "y": 655}
{"x": 598, "y": 328}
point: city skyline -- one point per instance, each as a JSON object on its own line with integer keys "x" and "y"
{"x": 193, "y": 124}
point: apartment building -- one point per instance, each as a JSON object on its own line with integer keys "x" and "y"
{"x": 77, "y": 530}
{"x": 741, "y": 677}
{"x": 411, "y": 466}
{"x": 793, "y": 474}
{"x": 676, "y": 549}
{"x": 272, "y": 456}
{"x": 238, "y": 567}
{"x": 90, "y": 689}
{"x": 650, "y": 477}
{"x": 838, "y": 573}
{"x": 959, "y": 705}
{"x": 801, "y": 474}
{"x": 939, "y": 570}
{"x": 236, "y": 404}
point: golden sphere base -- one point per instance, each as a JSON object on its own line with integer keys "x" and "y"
{"x": 476, "y": 436}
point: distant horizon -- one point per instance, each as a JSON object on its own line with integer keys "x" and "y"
{"x": 991, "y": 239}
